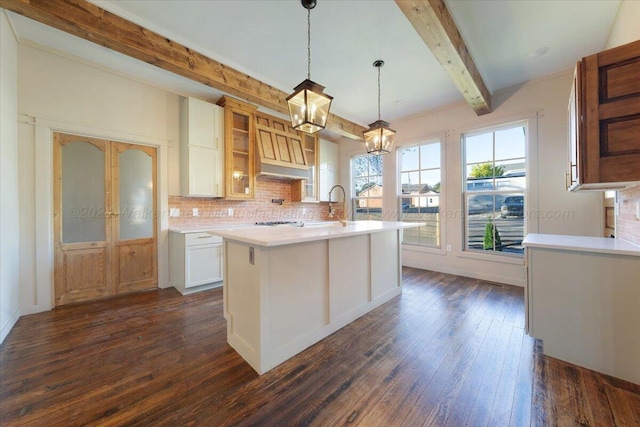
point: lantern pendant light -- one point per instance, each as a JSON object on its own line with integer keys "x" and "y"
{"x": 308, "y": 105}
{"x": 379, "y": 137}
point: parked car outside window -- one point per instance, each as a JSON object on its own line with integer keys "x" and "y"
{"x": 512, "y": 206}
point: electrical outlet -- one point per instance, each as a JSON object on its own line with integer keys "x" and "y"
{"x": 230, "y": 212}
{"x": 195, "y": 212}
{"x": 174, "y": 212}
{"x": 448, "y": 248}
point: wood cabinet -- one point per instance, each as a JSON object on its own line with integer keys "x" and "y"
{"x": 604, "y": 120}
{"x": 196, "y": 261}
{"x": 201, "y": 149}
{"x": 239, "y": 129}
{"x": 306, "y": 190}
{"x": 329, "y": 176}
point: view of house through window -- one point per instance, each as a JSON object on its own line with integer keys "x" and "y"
{"x": 494, "y": 194}
{"x": 366, "y": 171}
{"x": 419, "y": 200}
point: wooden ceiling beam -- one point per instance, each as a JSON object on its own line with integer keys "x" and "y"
{"x": 433, "y": 22}
{"x": 89, "y": 22}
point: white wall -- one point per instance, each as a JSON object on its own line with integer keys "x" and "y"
{"x": 626, "y": 27}
{"x": 60, "y": 94}
{"x": 9, "y": 234}
{"x": 544, "y": 104}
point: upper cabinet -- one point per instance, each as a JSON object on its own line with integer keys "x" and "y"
{"x": 329, "y": 169}
{"x": 306, "y": 190}
{"x": 604, "y": 120}
{"x": 239, "y": 118}
{"x": 201, "y": 149}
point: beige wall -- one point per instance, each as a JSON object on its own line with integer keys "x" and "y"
{"x": 60, "y": 94}
{"x": 626, "y": 29}
{"x": 552, "y": 209}
{"x": 9, "y": 237}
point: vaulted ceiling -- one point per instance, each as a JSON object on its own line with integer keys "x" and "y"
{"x": 267, "y": 40}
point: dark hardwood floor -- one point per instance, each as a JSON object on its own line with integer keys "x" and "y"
{"x": 450, "y": 351}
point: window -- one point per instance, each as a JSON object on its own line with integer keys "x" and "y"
{"x": 494, "y": 194}
{"x": 366, "y": 172}
{"x": 419, "y": 200}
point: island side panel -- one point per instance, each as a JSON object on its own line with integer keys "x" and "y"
{"x": 386, "y": 274}
{"x": 242, "y": 302}
{"x": 297, "y": 299}
{"x": 349, "y": 278}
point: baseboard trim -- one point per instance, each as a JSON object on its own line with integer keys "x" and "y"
{"x": 465, "y": 273}
{"x": 6, "y": 328}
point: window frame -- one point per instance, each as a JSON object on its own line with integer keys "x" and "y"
{"x": 506, "y": 257}
{"x": 354, "y": 197}
{"x": 441, "y": 202}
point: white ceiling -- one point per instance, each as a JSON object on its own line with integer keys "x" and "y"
{"x": 267, "y": 40}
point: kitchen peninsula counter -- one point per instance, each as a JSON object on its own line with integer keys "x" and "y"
{"x": 286, "y": 288}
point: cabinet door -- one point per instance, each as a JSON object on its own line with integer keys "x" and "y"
{"x": 574, "y": 118}
{"x": 202, "y": 172}
{"x": 203, "y": 264}
{"x": 240, "y": 174}
{"x": 612, "y": 115}
{"x": 202, "y": 123}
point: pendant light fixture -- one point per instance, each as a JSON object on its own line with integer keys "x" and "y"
{"x": 308, "y": 105}
{"x": 379, "y": 137}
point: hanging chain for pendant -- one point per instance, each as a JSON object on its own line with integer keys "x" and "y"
{"x": 379, "y": 91}
{"x": 309, "y": 44}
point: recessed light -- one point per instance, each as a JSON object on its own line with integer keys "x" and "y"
{"x": 538, "y": 52}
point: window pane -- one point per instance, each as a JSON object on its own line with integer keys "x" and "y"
{"x": 429, "y": 179}
{"x": 360, "y": 166}
{"x": 510, "y": 143}
{"x": 479, "y": 148}
{"x": 409, "y": 159}
{"x": 430, "y": 156}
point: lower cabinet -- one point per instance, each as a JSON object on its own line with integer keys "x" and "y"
{"x": 195, "y": 261}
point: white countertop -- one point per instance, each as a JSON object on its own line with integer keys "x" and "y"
{"x": 286, "y": 235}
{"x": 604, "y": 245}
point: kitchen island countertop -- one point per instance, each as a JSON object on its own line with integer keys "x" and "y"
{"x": 286, "y": 235}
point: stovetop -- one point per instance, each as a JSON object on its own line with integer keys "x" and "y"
{"x": 276, "y": 223}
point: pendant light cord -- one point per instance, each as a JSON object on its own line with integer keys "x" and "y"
{"x": 378, "y": 91}
{"x": 309, "y": 44}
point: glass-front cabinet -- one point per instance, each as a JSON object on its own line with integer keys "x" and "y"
{"x": 306, "y": 190}
{"x": 240, "y": 152}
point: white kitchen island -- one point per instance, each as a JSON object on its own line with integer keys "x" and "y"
{"x": 286, "y": 288}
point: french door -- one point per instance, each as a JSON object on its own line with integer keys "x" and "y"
{"x": 105, "y": 227}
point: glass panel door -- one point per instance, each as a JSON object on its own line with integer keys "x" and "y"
{"x": 135, "y": 195}
{"x": 83, "y": 193}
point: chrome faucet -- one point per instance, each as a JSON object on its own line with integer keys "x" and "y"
{"x": 344, "y": 205}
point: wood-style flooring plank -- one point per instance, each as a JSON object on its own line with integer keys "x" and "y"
{"x": 449, "y": 351}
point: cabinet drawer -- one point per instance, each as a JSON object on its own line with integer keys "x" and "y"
{"x": 191, "y": 239}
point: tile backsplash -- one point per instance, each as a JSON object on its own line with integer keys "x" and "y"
{"x": 216, "y": 211}
{"x": 628, "y": 227}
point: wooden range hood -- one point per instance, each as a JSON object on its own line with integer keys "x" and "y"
{"x": 280, "y": 149}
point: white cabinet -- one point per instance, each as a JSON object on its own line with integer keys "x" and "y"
{"x": 582, "y": 301}
{"x": 329, "y": 167}
{"x": 195, "y": 261}
{"x": 201, "y": 149}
